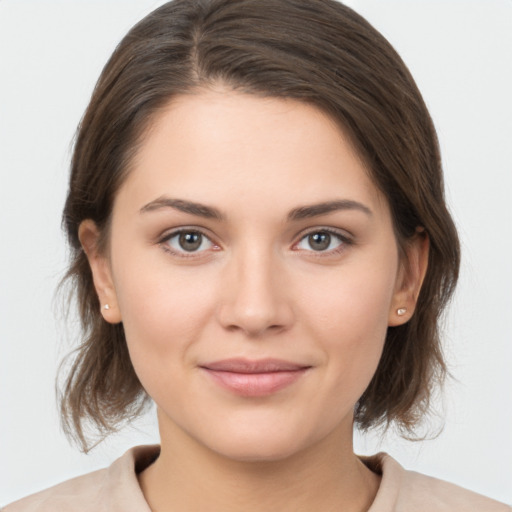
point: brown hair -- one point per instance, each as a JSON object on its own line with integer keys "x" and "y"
{"x": 316, "y": 51}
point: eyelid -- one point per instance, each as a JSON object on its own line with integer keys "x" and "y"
{"x": 346, "y": 240}
{"x": 168, "y": 235}
{"x": 342, "y": 235}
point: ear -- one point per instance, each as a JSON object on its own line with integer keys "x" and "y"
{"x": 89, "y": 236}
{"x": 413, "y": 267}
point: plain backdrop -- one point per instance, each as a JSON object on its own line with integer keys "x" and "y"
{"x": 51, "y": 53}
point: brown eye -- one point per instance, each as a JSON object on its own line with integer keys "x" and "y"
{"x": 319, "y": 241}
{"x": 322, "y": 241}
{"x": 188, "y": 242}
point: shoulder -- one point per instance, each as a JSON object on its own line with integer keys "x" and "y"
{"x": 70, "y": 495}
{"x": 408, "y": 491}
{"x": 446, "y": 496}
{"x": 113, "y": 489}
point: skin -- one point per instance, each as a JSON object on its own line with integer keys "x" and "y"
{"x": 256, "y": 288}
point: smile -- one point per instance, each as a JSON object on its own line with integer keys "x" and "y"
{"x": 254, "y": 378}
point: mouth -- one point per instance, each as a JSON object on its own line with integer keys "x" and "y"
{"x": 254, "y": 378}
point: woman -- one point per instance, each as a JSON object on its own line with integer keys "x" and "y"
{"x": 261, "y": 245}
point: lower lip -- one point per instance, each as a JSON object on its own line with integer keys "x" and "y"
{"x": 255, "y": 384}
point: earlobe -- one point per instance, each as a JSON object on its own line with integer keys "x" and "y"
{"x": 89, "y": 236}
{"x": 413, "y": 269}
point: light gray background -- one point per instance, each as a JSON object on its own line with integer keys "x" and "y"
{"x": 51, "y": 53}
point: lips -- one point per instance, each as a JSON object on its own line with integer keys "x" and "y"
{"x": 254, "y": 378}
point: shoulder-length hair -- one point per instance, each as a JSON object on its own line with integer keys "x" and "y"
{"x": 316, "y": 51}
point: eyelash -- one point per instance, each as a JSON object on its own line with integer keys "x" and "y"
{"x": 344, "y": 239}
{"x": 163, "y": 242}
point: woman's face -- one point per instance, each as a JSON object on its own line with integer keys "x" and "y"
{"x": 254, "y": 266}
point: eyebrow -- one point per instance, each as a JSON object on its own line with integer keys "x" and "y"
{"x": 209, "y": 212}
{"x": 201, "y": 210}
{"x": 314, "y": 210}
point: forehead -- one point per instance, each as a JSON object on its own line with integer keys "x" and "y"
{"x": 237, "y": 149}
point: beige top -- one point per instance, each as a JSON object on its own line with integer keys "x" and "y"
{"x": 116, "y": 489}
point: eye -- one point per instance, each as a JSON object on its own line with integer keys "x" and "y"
{"x": 187, "y": 241}
{"x": 322, "y": 241}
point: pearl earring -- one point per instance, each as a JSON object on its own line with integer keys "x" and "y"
{"x": 401, "y": 311}
{"x": 106, "y": 306}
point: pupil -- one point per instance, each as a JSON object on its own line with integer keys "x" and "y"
{"x": 190, "y": 241}
{"x": 319, "y": 241}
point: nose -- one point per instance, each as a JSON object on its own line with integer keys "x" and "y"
{"x": 255, "y": 297}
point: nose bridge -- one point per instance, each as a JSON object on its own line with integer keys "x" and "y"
{"x": 255, "y": 299}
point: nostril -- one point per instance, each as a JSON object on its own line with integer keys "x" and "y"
{"x": 253, "y": 299}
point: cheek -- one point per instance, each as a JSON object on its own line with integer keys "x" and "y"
{"x": 348, "y": 313}
{"x": 350, "y": 301}
{"x": 163, "y": 311}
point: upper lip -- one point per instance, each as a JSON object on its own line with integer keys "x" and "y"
{"x": 239, "y": 365}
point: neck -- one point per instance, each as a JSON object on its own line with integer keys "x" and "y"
{"x": 325, "y": 477}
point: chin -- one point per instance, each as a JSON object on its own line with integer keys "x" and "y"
{"x": 257, "y": 451}
{"x": 261, "y": 444}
